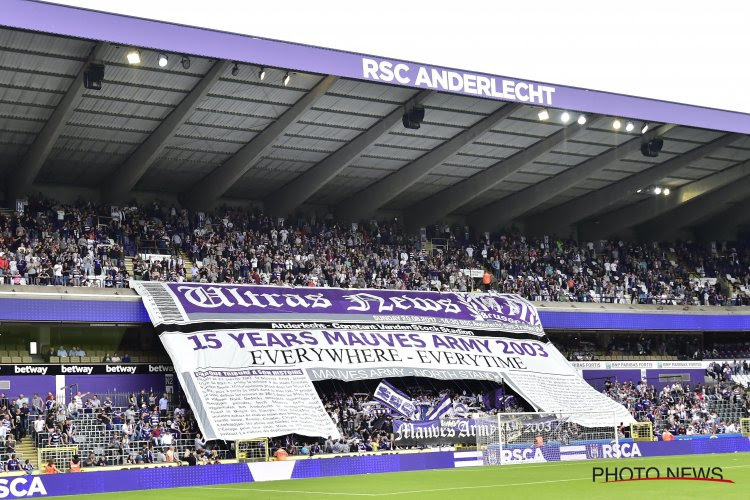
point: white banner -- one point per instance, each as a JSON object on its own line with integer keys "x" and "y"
{"x": 245, "y": 383}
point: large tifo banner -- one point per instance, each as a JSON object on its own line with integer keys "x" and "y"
{"x": 247, "y": 356}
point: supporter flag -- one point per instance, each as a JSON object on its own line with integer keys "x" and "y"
{"x": 443, "y": 407}
{"x": 460, "y": 410}
{"x": 394, "y": 399}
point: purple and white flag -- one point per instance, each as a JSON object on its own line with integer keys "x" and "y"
{"x": 394, "y": 399}
{"x": 443, "y": 407}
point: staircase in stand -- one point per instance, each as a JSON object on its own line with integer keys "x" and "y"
{"x": 26, "y": 449}
{"x": 129, "y": 265}
{"x": 188, "y": 263}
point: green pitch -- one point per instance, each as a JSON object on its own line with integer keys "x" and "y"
{"x": 549, "y": 480}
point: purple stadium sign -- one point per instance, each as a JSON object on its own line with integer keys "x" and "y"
{"x": 69, "y": 21}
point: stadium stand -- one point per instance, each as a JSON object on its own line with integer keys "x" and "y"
{"x": 108, "y": 244}
{"x": 86, "y": 245}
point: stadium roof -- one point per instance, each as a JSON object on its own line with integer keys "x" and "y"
{"x": 208, "y": 132}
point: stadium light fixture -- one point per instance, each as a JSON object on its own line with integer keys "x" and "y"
{"x": 582, "y": 120}
{"x": 638, "y": 190}
{"x": 657, "y": 190}
{"x": 235, "y": 70}
{"x": 134, "y": 57}
{"x": 287, "y": 79}
{"x": 543, "y": 115}
{"x": 262, "y": 74}
{"x": 185, "y": 62}
{"x": 629, "y": 127}
{"x": 617, "y": 124}
{"x": 666, "y": 191}
{"x": 163, "y": 60}
{"x": 644, "y": 128}
{"x": 565, "y": 117}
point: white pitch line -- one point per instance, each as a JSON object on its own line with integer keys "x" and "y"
{"x": 435, "y": 490}
{"x": 393, "y": 493}
{"x": 268, "y": 490}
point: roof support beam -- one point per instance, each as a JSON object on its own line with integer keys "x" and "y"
{"x": 375, "y": 196}
{"x": 655, "y": 206}
{"x": 287, "y": 198}
{"x": 579, "y": 208}
{"x": 218, "y": 182}
{"x": 496, "y": 215}
{"x": 117, "y": 187}
{"x": 697, "y": 210}
{"x": 39, "y": 151}
{"x": 448, "y": 200}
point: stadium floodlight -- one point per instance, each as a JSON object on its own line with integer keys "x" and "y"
{"x": 629, "y": 127}
{"x": 262, "y": 74}
{"x": 638, "y": 190}
{"x": 163, "y": 60}
{"x": 287, "y": 79}
{"x": 582, "y": 120}
{"x": 616, "y": 124}
{"x": 185, "y": 62}
{"x": 543, "y": 115}
{"x": 644, "y": 128}
{"x": 666, "y": 191}
{"x": 657, "y": 190}
{"x": 134, "y": 57}
{"x": 235, "y": 70}
{"x": 565, "y": 117}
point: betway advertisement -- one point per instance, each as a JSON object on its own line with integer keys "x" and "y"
{"x": 247, "y": 356}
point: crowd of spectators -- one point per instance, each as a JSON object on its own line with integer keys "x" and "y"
{"x": 364, "y": 424}
{"x": 680, "y": 410}
{"x": 148, "y": 430}
{"x": 84, "y": 244}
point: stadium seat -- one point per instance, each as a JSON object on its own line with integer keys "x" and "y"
{"x": 54, "y": 359}
{"x": 75, "y": 359}
{"x": 5, "y": 360}
{"x": 25, "y": 359}
{"x": 16, "y": 359}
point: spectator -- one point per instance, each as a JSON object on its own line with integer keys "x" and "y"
{"x": 163, "y": 405}
{"x": 281, "y": 454}
{"x": 75, "y": 464}
{"x": 51, "y": 468}
{"x": 199, "y": 442}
